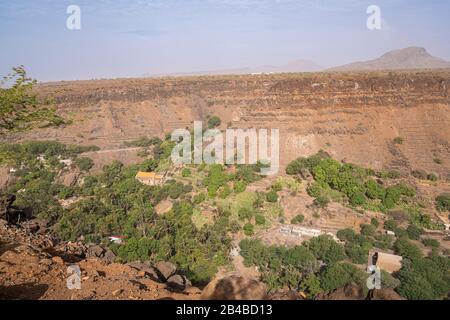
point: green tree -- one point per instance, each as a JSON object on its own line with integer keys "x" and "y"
{"x": 214, "y": 122}
{"x": 20, "y": 109}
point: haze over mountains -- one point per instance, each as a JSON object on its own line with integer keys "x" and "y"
{"x": 408, "y": 58}
{"x": 401, "y": 59}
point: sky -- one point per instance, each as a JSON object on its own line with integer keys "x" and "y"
{"x": 135, "y": 38}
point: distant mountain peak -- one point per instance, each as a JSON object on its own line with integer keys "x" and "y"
{"x": 407, "y": 58}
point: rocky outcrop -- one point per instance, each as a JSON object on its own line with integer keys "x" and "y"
{"x": 234, "y": 287}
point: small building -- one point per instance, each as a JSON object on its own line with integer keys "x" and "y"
{"x": 151, "y": 178}
{"x": 385, "y": 261}
{"x": 390, "y": 233}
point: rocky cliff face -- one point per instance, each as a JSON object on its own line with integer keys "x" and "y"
{"x": 353, "y": 116}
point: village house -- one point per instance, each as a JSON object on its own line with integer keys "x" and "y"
{"x": 385, "y": 261}
{"x": 151, "y": 178}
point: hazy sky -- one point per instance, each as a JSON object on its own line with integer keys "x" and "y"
{"x": 126, "y": 38}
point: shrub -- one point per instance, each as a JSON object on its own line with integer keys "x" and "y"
{"x": 414, "y": 232}
{"x": 420, "y": 174}
{"x": 374, "y": 222}
{"x": 368, "y": 230}
{"x": 321, "y": 202}
{"x": 248, "y": 229}
{"x": 272, "y": 196}
{"x": 245, "y": 214}
{"x": 84, "y": 163}
{"x": 432, "y": 177}
{"x": 199, "y": 198}
{"x": 298, "y": 219}
{"x": 437, "y": 160}
{"x": 66, "y": 192}
{"x": 443, "y": 202}
{"x": 186, "y": 172}
{"x": 398, "y": 140}
{"x": 277, "y": 186}
{"x": 239, "y": 186}
{"x": 326, "y": 249}
{"x": 348, "y": 235}
{"x": 374, "y": 190}
{"x": 226, "y": 191}
{"x": 390, "y": 225}
{"x": 431, "y": 242}
{"x": 214, "y": 122}
{"x": 341, "y": 274}
{"x": 260, "y": 219}
{"x": 407, "y": 249}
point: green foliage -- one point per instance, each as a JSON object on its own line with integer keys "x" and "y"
{"x": 84, "y": 163}
{"x": 407, "y": 249}
{"x": 225, "y": 192}
{"x": 148, "y": 165}
{"x": 348, "y": 235}
{"x": 216, "y": 178}
{"x": 326, "y": 249}
{"x": 425, "y": 278}
{"x": 390, "y": 225}
{"x": 281, "y": 266}
{"x": 66, "y": 192}
{"x": 431, "y": 242}
{"x": 298, "y": 219}
{"x": 239, "y": 186}
{"x": 374, "y": 190}
{"x": 296, "y": 166}
{"x": 277, "y": 186}
{"x": 341, "y": 274}
{"x": 20, "y": 109}
{"x": 414, "y": 232}
{"x": 358, "y": 253}
{"x": 214, "y": 122}
{"x": 272, "y": 196}
{"x": 443, "y": 202}
{"x": 368, "y": 230}
{"x": 260, "y": 219}
{"x": 321, "y": 202}
{"x": 199, "y": 198}
{"x": 388, "y": 281}
{"x": 186, "y": 172}
{"x": 248, "y": 229}
{"x": 374, "y": 222}
{"x": 310, "y": 285}
{"x": 245, "y": 214}
{"x": 144, "y": 142}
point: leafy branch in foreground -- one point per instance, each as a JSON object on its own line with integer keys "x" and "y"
{"x": 20, "y": 109}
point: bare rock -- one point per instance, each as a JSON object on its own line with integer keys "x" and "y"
{"x": 165, "y": 269}
{"x": 95, "y": 251}
{"x": 385, "y": 294}
{"x": 178, "y": 283}
{"x": 109, "y": 256}
{"x": 235, "y": 287}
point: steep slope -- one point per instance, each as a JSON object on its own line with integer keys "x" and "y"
{"x": 408, "y": 58}
{"x": 355, "y": 117}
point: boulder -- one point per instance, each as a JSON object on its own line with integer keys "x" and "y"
{"x": 234, "y": 287}
{"x": 385, "y": 294}
{"x": 146, "y": 270}
{"x": 165, "y": 270}
{"x": 95, "y": 251}
{"x": 349, "y": 292}
{"x": 178, "y": 283}
{"x": 109, "y": 256}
